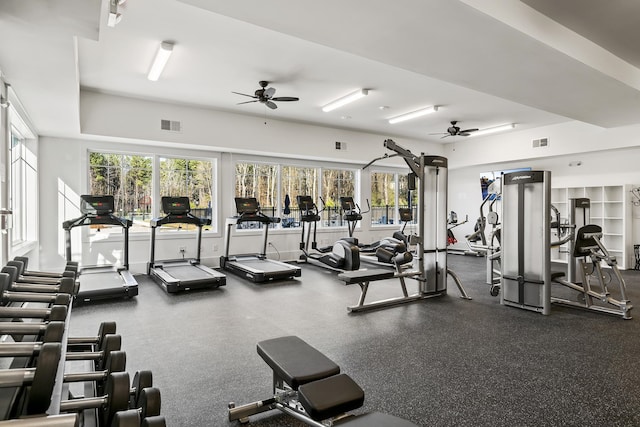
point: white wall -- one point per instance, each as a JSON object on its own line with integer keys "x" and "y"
{"x": 131, "y": 125}
{"x": 608, "y": 157}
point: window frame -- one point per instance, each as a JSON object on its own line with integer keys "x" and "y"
{"x": 156, "y": 208}
{"x": 25, "y": 212}
{"x": 297, "y": 163}
{"x": 396, "y": 215}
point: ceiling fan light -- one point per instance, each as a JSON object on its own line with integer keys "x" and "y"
{"x": 159, "y": 62}
{"x": 413, "y": 114}
{"x": 494, "y": 129}
{"x": 345, "y": 100}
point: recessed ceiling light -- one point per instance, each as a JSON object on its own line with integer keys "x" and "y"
{"x": 383, "y": 107}
{"x": 345, "y": 117}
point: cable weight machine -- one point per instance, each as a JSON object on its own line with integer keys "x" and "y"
{"x": 430, "y": 263}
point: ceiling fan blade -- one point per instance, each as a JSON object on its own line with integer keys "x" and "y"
{"x": 439, "y": 133}
{"x": 285, "y": 98}
{"x": 244, "y": 94}
{"x": 268, "y": 92}
{"x": 446, "y": 135}
{"x": 469, "y": 130}
{"x": 246, "y": 102}
{"x": 464, "y": 134}
{"x": 271, "y": 105}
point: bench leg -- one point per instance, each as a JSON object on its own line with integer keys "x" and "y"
{"x": 242, "y": 413}
{"x": 364, "y": 287}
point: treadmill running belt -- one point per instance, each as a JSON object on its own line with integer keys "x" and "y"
{"x": 264, "y": 265}
{"x": 95, "y": 281}
{"x": 185, "y": 273}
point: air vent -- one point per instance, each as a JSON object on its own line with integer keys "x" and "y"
{"x": 341, "y": 145}
{"x": 542, "y": 142}
{"x": 170, "y": 125}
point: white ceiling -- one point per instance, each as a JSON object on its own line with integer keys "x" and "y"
{"x": 484, "y": 63}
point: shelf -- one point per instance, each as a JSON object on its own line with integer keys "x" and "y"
{"x": 610, "y": 210}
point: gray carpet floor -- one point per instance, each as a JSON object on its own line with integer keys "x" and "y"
{"x": 439, "y": 362}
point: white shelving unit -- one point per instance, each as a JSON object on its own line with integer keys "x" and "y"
{"x": 610, "y": 209}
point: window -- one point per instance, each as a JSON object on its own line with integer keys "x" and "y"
{"x": 336, "y": 183}
{"x": 260, "y": 181}
{"x": 390, "y": 191}
{"x": 296, "y": 181}
{"x": 24, "y": 187}
{"x": 190, "y": 178}
{"x": 128, "y": 178}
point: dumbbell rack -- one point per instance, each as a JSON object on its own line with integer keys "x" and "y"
{"x": 42, "y": 378}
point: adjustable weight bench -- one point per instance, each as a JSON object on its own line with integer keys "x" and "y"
{"x": 309, "y": 386}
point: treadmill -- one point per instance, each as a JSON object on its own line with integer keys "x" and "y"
{"x": 255, "y": 267}
{"x": 101, "y": 281}
{"x": 181, "y": 274}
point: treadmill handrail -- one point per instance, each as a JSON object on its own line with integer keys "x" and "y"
{"x": 256, "y": 217}
{"x": 92, "y": 219}
{"x": 185, "y": 218}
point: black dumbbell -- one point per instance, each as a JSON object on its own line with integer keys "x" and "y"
{"x": 71, "y": 266}
{"x": 7, "y": 296}
{"x": 146, "y": 407}
{"x": 110, "y": 343}
{"x": 55, "y": 312}
{"x": 22, "y": 278}
{"x": 92, "y": 343}
{"x": 66, "y": 285}
{"x": 116, "y": 361}
{"x": 46, "y": 332}
{"x": 35, "y": 384}
{"x": 115, "y": 399}
{"x": 141, "y": 380}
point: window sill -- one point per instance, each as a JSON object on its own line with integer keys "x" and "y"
{"x": 23, "y": 248}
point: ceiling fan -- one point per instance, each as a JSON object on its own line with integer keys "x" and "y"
{"x": 264, "y": 95}
{"x": 454, "y": 130}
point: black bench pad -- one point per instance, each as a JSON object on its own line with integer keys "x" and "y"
{"x": 330, "y": 397}
{"x": 556, "y": 274}
{"x": 360, "y": 276}
{"x": 295, "y": 361}
{"x": 377, "y": 419}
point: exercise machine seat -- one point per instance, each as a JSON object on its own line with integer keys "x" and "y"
{"x": 377, "y": 419}
{"x": 295, "y": 361}
{"x": 360, "y": 276}
{"x": 330, "y": 397}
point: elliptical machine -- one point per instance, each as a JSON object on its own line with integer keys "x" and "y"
{"x": 390, "y": 250}
{"x": 342, "y": 256}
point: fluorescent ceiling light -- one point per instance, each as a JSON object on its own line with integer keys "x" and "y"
{"x": 345, "y": 100}
{"x": 162, "y": 56}
{"x": 493, "y": 129}
{"x": 413, "y": 114}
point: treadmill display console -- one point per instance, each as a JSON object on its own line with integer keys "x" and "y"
{"x": 175, "y": 205}
{"x": 247, "y": 205}
{"x": 96, "y": 205}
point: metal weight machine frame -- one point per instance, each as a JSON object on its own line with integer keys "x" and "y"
{"x": 526, "y": 250}
{"x": 579, "y": 220}
{"x": 431, "y": 241}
